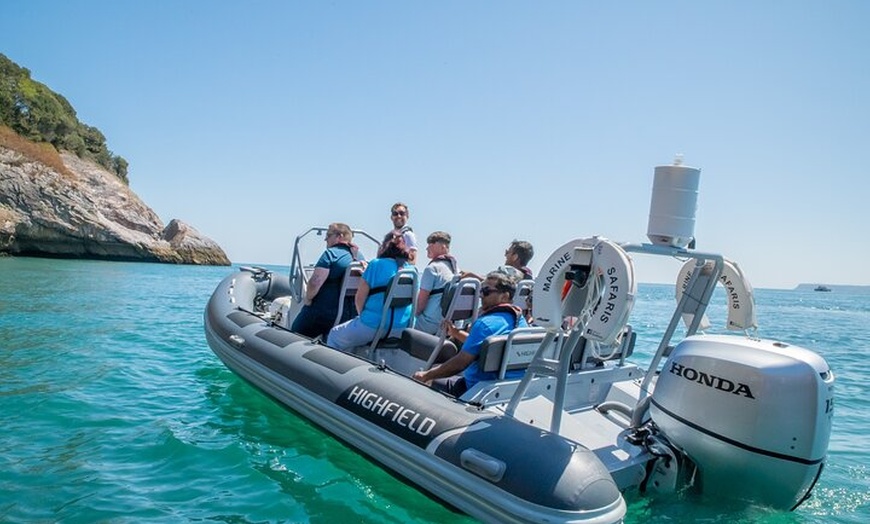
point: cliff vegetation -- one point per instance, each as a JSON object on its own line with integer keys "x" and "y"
{"x": 37, "y": 113}
{"x": 63, "y": 194}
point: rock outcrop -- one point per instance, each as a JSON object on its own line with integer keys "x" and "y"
{"x": 83, "y": 211}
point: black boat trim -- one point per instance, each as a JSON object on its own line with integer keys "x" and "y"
{"x": 717, "y": 436}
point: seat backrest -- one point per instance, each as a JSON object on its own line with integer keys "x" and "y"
{"x": 349, "y": 285}
{"x": 463, "y": 299}
{"x": 584, "y": 357}
{"x": 400, "y": 293}
{"x": 460, "y": 302}
{"x": 515, "y": 350}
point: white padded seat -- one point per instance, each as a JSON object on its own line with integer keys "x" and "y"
{"x": 511, "y": 351}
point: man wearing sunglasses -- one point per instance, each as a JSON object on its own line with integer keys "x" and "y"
{"x": 516, "y": 259}
{"x": 498, "y": 316}
{"x": 399, "y": 214}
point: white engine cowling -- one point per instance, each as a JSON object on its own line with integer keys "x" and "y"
{"x": 753, "y": 415}
{"x": 281, "y": 311}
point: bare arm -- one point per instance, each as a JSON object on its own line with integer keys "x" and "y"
{"x": 454, "y": 332}
{"x": 422, "y": 300}
{"x": 454, "y": 366}
{"x": 362, "y": 293}
{"x": 315, "y": 283}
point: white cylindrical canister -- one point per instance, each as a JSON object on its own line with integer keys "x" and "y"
{"x": 673, "y": 205}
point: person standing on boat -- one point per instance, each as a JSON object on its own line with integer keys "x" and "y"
{"x": 499, "y": 316}
{"x": 400, "y": 214}
{"x": 440, "y": 271}
{"x": 324, "y": 287}
{"x": 370, "y": 296}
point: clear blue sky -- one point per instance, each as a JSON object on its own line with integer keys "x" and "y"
{"x": 493, "y": 120}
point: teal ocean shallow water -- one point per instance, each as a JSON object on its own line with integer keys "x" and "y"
{"x": 114, "y": 409}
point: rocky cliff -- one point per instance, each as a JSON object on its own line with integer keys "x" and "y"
{"x": 80, "y": 210}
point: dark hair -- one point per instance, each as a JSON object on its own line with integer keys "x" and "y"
{"x": 393, "y": 246}
{"x": 523, "y": 250}
{"x": 439, "y": 236}
{"x": 503, "y": 282}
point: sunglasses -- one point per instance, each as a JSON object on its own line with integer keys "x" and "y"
{"x": 487, "y": 291}
{"x": 399, "y": 213}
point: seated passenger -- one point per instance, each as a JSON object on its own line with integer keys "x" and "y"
{"x": 324, "y": 287}
{"x": 516, "y": 257}
{"x": 370, "y": 296}
{"x": 433, "y": 281}
{"x": 498, "y": 316}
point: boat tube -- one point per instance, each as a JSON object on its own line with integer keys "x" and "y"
{"x": 732, "y": 416}
{"x": 459, "y": 453}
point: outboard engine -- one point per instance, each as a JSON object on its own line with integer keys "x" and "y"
{"x": 753, "y": 415}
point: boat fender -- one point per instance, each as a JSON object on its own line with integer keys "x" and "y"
{"x": 482, "y": 464}
{"x": 738, "y": 290}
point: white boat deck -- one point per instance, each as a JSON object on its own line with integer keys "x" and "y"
{"x": 603, "y": 433}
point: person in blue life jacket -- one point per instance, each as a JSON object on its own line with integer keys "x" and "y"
{"x": 370, "y": 296}
{"x": 433, "y": 281}
{"x": 400, "y": 214}
{"x": 320, "y": 304}
{"x": 498, "y": 316}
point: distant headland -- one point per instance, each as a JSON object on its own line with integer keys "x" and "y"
{"x": 64, "y": 194}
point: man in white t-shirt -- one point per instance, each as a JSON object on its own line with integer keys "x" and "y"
{"x": 399, "y": 214}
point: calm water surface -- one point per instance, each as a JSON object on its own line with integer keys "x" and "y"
{"x": 113, "y": 409}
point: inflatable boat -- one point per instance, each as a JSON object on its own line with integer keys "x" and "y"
{"x": 727, "y": 415}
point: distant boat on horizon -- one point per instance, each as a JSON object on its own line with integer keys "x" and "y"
{"x": 821, "y": 287}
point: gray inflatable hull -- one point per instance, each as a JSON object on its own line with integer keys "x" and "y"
{"x": 490, "y": 466}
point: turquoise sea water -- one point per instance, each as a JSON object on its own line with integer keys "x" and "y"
{"x": 114, "y": 409}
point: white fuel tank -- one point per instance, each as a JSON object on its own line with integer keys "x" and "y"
{"x": 753, "y": 415}
{"x": 673, "y": 205}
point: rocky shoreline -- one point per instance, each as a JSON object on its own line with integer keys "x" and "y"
{"x": 84, "y": 211}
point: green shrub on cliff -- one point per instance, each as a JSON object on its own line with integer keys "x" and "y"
{"x": 37, "y": 113}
